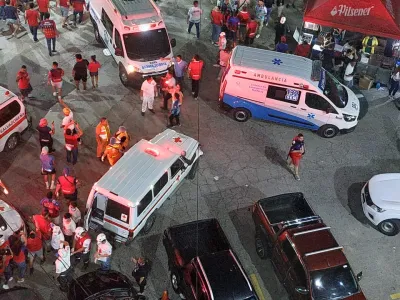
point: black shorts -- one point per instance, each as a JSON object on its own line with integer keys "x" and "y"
{"x": 25, "y": 92}
{"x": 94, "y": 74}
{"x": 44, "y": 172}
{"x": 79, "y": 77}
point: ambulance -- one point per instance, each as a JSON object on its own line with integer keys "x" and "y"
{"x": 135, "y": 34}
{"x": 287, "y": 89}
{"x": 125, "y": 201}
{"x": 13, "y": 120}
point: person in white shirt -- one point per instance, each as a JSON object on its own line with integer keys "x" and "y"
{"x": 194, "y": 17}
{"x": 57, "y": 238}
{"x": 69, "y": 227}
{"x": 68, "y": 120}
{"x": 394, "y": 83}
{"x": 75, "y": 212}
{"x": 82, "y": 245}
{"x": 63, "y": 265}
{"x": 349, "y": 74}
{"x": 103, "y": 253}
{"x": 147, "y": 93}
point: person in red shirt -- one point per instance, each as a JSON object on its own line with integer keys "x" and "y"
{"x": 93, "y": 68}
{"x": 79, "y": 6}
{"x": 71, "y": 143}
{"x": 252, "y": 27}
{"x": 32, "y": 18}
{"x": 303, "y": 49}
{"x": 43, "y": 8}
{"x": 34, "y": 244}
{"x": 54, "y": 78}
{"x": 23, "y": 81}
{"x": 68, "y": 185}
{"x": 244, "y": 18}
{"x": 50, "y": 32}
{"x": 217, "y": 19}
{"x": 64, "y": 9}
{"x": 42, "y": 223}
{"x": 195, "y": 68}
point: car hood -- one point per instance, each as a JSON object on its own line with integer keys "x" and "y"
{"x": 353, "y": 104}
{"x": 384, "y": 190}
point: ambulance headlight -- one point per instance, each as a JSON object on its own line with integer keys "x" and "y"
{"x": 349, "y": 118}
{"x": 144, "y": 27}
{"x": 131, "y": 69}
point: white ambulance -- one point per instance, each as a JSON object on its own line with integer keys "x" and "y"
{"x": 135, "y": 34}
{"x": 287, "y": 89}
{"x": 125, "y": 200}
{"x": 13, "y": 120}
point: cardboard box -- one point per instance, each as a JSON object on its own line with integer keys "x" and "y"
{"x": 376, "y": 60}
{"x": 365, "y": 83}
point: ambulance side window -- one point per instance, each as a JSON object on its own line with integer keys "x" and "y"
{"x": 176, "y": 166}
{"x": 117, "y": 211}
{"x": 317, "y": 102}
{"x": 283, "y": 94}
{"x": 107, "y": 22}
{"x": 118, "y": 42}
{"x": 160, "y": 184}
{"x": 8, "y": 112}
{"x": 144, "y": 202}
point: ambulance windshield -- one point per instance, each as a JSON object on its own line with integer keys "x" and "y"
{"x": 147, "y": 45}
{"x": 335, "y": 91}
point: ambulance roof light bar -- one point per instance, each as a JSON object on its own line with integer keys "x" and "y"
{"x": 153, "y": 152}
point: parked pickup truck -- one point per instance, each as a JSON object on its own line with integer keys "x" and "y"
{"x": 305, "y": 255}
{"x": 202, "y": 264}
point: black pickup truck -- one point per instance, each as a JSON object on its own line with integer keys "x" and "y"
{"x": 202, "y": 264}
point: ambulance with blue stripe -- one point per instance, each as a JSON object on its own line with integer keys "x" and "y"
{"x": 287, "y": 89}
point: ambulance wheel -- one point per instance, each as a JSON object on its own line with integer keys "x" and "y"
{"x": 328, "y": 131}
{"x": 123, "y": 76}
{"x": 12, "y": 142}
{"x": 241, "y": 114}
{"x": 149, "y": 223}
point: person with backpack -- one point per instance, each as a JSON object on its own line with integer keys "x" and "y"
{"x": 67, "y": 184}
{"x": 54, "y": 78}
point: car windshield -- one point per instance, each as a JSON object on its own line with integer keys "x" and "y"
{"x": 333, "y": 283}
{"x": 335, "y": 91}
{"x": 147, "y": 45}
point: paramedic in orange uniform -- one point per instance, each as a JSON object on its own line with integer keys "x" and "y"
{"x": 102, "y": 136}
{"x": 113, "y": 152}
{"x": 122, "y": 137}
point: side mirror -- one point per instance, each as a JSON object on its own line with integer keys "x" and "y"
{"x": 173, "y": 43}
{"x": 359, "y": 276}
{"x": 302, "y": 290}
{"x": 118, "y": 52}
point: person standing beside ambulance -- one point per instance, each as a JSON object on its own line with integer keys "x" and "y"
{"x": 148, "y": 91}
{"x": 81, "y": 245}
{"x": 103, "y": 253}
{"x": 194, "y": 17}
{"x": 195, "y": 69}
{"x": 103, "y": 135}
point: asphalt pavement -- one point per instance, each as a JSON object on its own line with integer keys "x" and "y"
{"x": 242, "y": 162}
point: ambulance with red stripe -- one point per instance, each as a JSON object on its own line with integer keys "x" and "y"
{"x": 13, "y": 120}
{"x": 125, "y": 201}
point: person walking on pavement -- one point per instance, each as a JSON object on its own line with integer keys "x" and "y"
{"x": 12, "y": 18}
{"x": 195, "y": 69}
{"x": 47, "y": 163}
{"x": 260, "y": 11}
{"x": 194, "y": 18}
{"x": 53, "y": 206}
{"x": 55, "y": 79}
{"x": 394, "y": 83}
{"x": 57, "y": 237}
{"x": 34, "y": 244}
{"x": 42, "y": 224}
{"x": 148, "y": 91}
{"x": 103, "y": 252}
{"x": 175, "y": 111}
{"x": 64, "y": 10}
{"x": 79, "y": 72}
{"x": 23, "y": 81}
{"x": 93, "y": 68}
{"x": 217, "y": 19}
{"x": 78, "y": 6}
{"x": 43, "y": 8}
{"x": 68, "y": 229}
{"x": 45, "y": 134}
{"x": 244, "y": 18}
{"x": 68, "y": 185}
{"x": 122, "y": 137}
{"x": 50, "y": 32}
{"x": 296, "y": 152}
{"x": 71, "y": 143}
{"x": 280, "y": 4}
{"x": 140, "y": 272}
{"x": 224, "y": 57}
{"x": 32, "y": 18}
{"x": 113, "y": 152}
{"x": 82, "y": 245}
{"x": 75, "y": 212}
{"x": 103, "y": 135}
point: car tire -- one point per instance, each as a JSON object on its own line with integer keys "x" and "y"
{"x": 241, "y": 114}
{"x": 193, "y": 170}
{"x": 328, "y": 131}
{"x": 149, "y": 223}
{"x": 123, "y": 76}
{"x": 175, "y": 281}
{"x": 389, "y": 227}
{"x": 12, "y": 142}
{"x": 261, "y": 247}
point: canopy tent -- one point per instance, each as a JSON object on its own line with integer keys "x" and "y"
{"x": 372, "y": 17}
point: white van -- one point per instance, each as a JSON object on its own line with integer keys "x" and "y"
{"x": 135, "y": 34}
{"x": 124, "y": 201}
{"x": 287, "y": 89}
{"x": 13, "y": 120}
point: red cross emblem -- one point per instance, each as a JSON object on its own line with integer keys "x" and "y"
{"x": 177, "y": 140}
{"x": 1, "y": 208}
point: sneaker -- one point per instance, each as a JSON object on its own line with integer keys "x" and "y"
{"x": 11, "y": 279}
{"x": 5, "y": 287}
{"x": 55, "y": 94}
{"x": 21, "y": 280}
{"x": 142, "y": 113}
{"x": 52, "y": 186}
{"x": 297, "y": 177}
{"x": 36, "y": 40}
{"x": 257, "y": 36}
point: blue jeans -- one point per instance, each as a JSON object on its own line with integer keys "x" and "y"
{"x": 394, "y": 87}
{"x": 21, "y": 269}
{"x": 197, "y": 28}
{"x": 33, "y": 30}
{"x": 49, "y": 42}
{"x": 216, "y": 30}
{"x": 266, "y": 19}
{"x": 105, "y": 265}
{"x": 2, "y": 15}
{"x": 74, "y": 154}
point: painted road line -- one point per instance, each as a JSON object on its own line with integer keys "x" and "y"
{"x": 257, "y": 287}
{"x": 395, "y": 296}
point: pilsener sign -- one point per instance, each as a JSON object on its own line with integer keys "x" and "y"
{"x": 348, "y": 11}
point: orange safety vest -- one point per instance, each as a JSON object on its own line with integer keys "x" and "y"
{"x": 80, "y": 241}
{"x": 120, "y": 135}
{"x": 195, "y": 68}
{"x": 103, "y": 131}
{"x": 68, "y": 184}
{"x": 113, "y": 153}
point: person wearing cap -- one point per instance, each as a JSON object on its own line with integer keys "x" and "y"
{"x": 46, "y": 134}
{"x": 217, "y": 19}
{"x": 103, "y": 252}
{"x": 282, "y": 46}
{"x": 113, "y": 152}
{"x": 81, "y": 247}
{"x": 221, "y": 46}
{"x": 67, "y": 184}
{"x": 34, "y": 244}
{"x": 75, "y": 212}
{"x": 63, "y": 265}
{"x": 48, "y": 169}
{"x": 260, "y": 11}
{"x": 57, "y": 237}
{"x": 103, "y": 135}
{"x": 72, "y": 138}
{"x": 140, "y": 272}
{"x": 122, "y": 137}
{"x": 68, "y": 119}
{"x": 54, "y": 78}
{"x": 281, "y": 29}
{"x": 69, "y": 227}
{"x": 53, "y": 207}
{"x": 252, "y": 27}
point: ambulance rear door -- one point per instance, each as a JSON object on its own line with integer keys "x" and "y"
{"x": 96, "y": 211}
